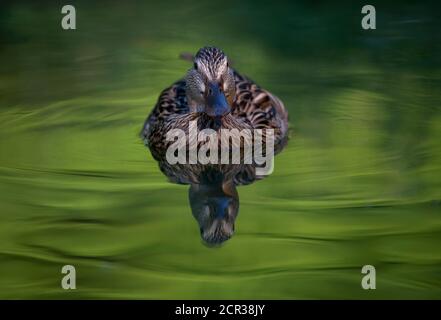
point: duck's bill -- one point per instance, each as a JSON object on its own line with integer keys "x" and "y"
{"x": 217, "y": 104}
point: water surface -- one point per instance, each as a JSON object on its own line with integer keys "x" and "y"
{"x": 359, "y": 182}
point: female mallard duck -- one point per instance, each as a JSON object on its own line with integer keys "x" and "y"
{"x": 217, "y": 97}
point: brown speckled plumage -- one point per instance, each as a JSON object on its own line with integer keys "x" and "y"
{"x": 252, "y": 108}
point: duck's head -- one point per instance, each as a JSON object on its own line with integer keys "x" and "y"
{"x": 210, "y": 83}
{"x": 215, "y": 207}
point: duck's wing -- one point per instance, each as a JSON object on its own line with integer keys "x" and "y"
{"x": 261, "y": 108}
{"x": 171, "y": 101}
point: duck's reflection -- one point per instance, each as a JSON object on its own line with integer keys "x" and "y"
{"x": 213, "y": 195}
{"x": 215, "y": 205}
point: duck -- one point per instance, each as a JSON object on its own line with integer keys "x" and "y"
{"x": 217, "y": 97}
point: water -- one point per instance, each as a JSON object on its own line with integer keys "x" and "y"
{"x": 359, "y": 182}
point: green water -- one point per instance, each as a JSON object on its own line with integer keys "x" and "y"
{"x": 359, "y": 182}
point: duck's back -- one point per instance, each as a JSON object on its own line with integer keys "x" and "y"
{"x": 171, "y": 101}
{"x": 263, "y": 109}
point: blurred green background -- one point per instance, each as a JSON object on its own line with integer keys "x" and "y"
{"x": 359, "y": 183}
